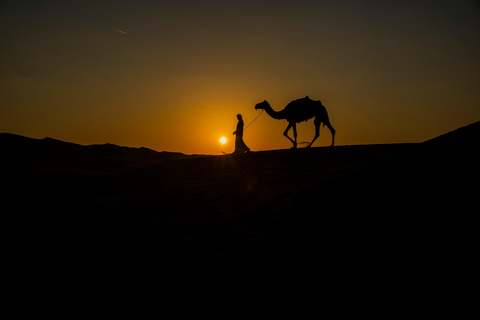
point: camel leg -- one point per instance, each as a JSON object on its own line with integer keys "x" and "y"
{"x": 295, "y": 134}
{"x": 286, "y": 134}
{"x": 327, "y": 123}
{"x": 317, "y": 133}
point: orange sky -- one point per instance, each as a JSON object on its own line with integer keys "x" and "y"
{"x": 173, "y": 75}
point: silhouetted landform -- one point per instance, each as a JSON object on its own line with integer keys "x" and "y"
{"x": 49, "y": 155}
{"x": 367, "y": 229}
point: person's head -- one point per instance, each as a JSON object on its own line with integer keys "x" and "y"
{"x": 239, "y": 116}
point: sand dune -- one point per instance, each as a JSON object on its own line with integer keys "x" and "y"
{"x": 350, "y": 229}
{"x": 21, "y": 154}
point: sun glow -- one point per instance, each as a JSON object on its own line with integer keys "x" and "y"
{"x": 223, "y": 140}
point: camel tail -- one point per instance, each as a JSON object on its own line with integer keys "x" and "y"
{"x": 325, "y": 119}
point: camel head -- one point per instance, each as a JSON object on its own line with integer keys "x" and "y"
{"x": 262, "y": 105}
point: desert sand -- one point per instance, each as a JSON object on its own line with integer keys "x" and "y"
{"x": 364, "y": 229}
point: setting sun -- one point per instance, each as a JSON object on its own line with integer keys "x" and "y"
{"x": 223, "y": 140}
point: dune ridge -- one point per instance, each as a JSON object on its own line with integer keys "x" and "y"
{"x": 49, "y": 155}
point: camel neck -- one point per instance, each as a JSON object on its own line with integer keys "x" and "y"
{"x": 275, "y": 114}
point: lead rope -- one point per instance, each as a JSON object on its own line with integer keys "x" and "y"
{"x": 253, "y": 120}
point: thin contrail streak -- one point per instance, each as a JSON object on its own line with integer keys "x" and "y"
{"x": 120, "y": 31}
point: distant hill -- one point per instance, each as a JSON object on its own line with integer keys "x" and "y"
{"x": 461, "y": 137}
{"x": 23, "y": 154}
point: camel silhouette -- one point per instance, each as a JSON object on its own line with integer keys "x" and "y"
{"x": 297, "y": 111}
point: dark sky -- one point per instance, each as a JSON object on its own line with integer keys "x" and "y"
{"x": 172, "y": 75}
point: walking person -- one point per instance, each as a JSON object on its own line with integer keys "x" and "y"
{"x": 240, "y": 146}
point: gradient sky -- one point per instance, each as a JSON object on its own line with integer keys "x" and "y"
{"x": 173, "y": 75}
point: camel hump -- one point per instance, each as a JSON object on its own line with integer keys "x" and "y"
{"x": 303, "y": 109}
{"x": 299, "y": 102}
{"x": 304, "y": 104}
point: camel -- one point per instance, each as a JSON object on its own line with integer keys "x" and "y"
{"x": 298, "y": 111}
